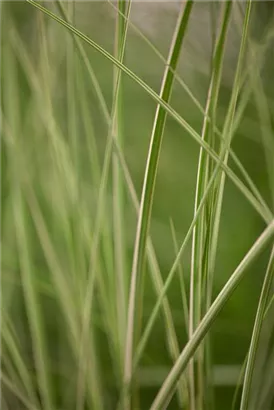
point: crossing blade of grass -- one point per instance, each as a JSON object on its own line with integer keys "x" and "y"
{"x": 169, "y": 384}
{"x": 135, "y": 296}
{"x": 198, "y": 268}
{"x": 266, "y": 216}
{"x": 256, "y": 332}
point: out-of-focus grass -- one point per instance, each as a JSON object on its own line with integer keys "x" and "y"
{"x": 68, "y": 223}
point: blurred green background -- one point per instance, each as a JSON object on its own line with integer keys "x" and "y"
{"x": 22, "y": 29}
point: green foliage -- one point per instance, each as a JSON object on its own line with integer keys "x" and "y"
{"x": 98, "y": 156}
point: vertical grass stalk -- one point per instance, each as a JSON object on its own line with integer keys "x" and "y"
{"x": 120, "y": 269}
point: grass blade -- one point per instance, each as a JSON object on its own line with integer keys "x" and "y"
{"x": 118, "y": 188}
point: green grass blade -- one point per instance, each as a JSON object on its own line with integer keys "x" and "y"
{"x": 120, "y": 267}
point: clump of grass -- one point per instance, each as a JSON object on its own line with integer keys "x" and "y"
{"x": 74, "y": 333}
